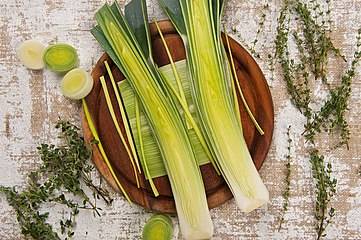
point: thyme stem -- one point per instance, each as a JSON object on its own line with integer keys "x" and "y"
{"x": 286, "y": 193}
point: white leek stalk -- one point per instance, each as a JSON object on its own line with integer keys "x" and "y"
{"x": 166, "y": 123}
{"x": 213, "y": 96}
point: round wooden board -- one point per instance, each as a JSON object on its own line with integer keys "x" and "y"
{"x": 255, "y": 90}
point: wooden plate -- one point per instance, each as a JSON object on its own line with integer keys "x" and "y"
{"x": 256, "y": 92}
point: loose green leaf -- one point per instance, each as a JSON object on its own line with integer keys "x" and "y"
{"x": 151, "y": 150}
{"x": 240, "y": 90}
{"x": 101, "y": 149}
{"x": 116, "y": 124}
{"x": 123, "y": 115}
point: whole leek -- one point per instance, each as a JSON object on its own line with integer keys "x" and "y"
{"x": 166, "y": 122}
{"x": 198, "y": 22}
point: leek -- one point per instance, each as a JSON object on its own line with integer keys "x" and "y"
{"x": 181, "y": 99}
{"x": 198, "y": 23}
{"x": 160, "y": 111}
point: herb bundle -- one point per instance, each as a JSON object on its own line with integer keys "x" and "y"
{"x": 63, "y": 172}
{"x": 308, "y": 68}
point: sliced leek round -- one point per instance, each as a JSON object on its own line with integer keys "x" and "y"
{"x": 31, "y": 54}
{"x": 77, "y": 84}
{"x": 60, "y": 57}
{"x": 158, "y": 227}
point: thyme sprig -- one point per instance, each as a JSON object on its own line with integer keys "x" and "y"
{"x": 312, "y": 38}
{"x": 259, "y": 30}
{"x": 286, "y": 193}
{"x": 64, "y": 171}
{"x": 331, "y": 116}
{"x": 245, "y": 43}
{"x": 252, "y": 46}
{"x": 325, "y": 190}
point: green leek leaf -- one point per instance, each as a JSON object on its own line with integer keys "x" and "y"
{"x": 136, "y": 15}
{"x": 173, "y": 10}
{"x": 98, "y": 34}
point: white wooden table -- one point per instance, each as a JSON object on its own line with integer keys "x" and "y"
{"x": 31, "y": 103}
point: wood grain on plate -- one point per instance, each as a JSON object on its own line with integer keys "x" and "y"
{"x": 255, "y": 90}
